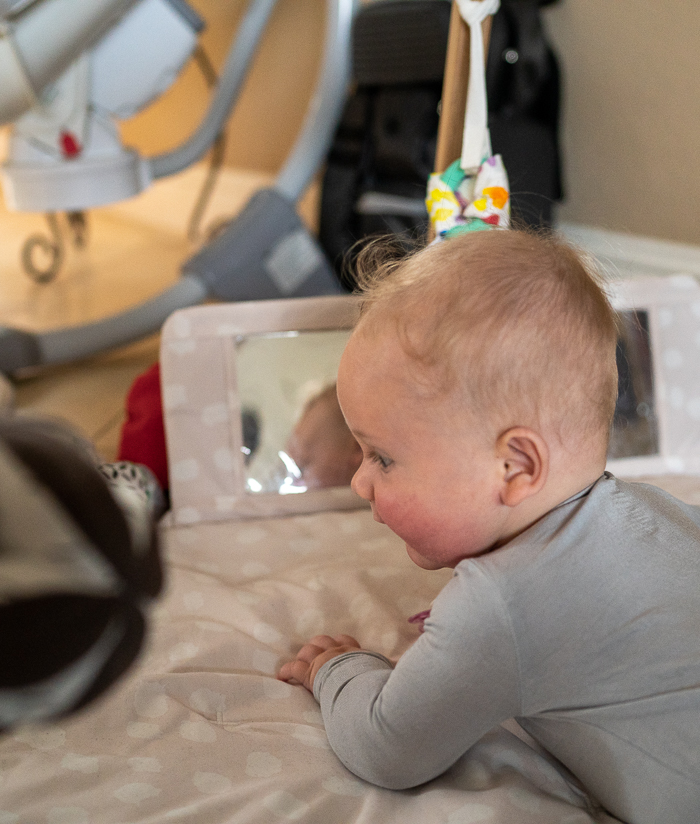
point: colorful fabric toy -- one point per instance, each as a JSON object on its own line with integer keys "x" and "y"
{"x": 460, "y": 202}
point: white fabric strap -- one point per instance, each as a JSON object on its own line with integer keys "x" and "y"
{"x": 474, "y": 12}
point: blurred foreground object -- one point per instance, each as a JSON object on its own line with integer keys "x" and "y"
{"x": 79, "y": 566}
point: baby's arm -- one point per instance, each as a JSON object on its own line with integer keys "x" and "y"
{"x": 400, "y": 727}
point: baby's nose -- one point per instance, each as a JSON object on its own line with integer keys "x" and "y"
{"x": 361, "y": 486}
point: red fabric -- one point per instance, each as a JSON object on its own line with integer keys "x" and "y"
{"x": 143, "y": 432}
{"x": 70, "y": 146}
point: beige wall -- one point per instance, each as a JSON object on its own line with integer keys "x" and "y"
{"x": 631, "y": 133}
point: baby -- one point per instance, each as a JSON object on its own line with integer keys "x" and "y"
{"x": 480, "y": 384}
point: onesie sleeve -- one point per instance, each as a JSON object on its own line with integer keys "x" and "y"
{"x": 401, "y": 727}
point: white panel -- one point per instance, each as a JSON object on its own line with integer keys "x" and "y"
{"x": 140, "y": 58}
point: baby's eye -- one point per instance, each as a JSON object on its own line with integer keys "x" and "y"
{"x": 383, "y": 462}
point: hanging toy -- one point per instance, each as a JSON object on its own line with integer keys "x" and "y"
{"x": 473, "y": 192}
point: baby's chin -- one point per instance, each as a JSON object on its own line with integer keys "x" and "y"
{"x": 421, "y": 560}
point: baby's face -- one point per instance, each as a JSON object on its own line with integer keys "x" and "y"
{"x": 428, "y": 475}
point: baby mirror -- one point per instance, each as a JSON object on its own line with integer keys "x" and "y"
{"x": 657, "y": 419}
{"x": 253, "y": 424}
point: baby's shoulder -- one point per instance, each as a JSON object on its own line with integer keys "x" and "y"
{"x": 646, "y": 507}
{"x": 612, "y": 530}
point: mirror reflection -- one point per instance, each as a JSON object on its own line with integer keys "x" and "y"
{"x": 635, "y": 426}
{"x": 294, "y": 436}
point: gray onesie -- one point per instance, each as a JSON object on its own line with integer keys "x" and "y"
{"x": 586, "y": 628}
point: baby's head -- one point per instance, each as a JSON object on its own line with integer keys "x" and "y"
{"x": 321, "y": 444}
{"x": 514, "y": 325}
{"x": 494, "y": 332}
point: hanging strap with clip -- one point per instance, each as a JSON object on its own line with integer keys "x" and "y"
{"x": 472, "y": 192}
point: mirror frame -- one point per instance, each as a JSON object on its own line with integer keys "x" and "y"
{"x": 672, "y": 304}
{"x": 202, "y": 408}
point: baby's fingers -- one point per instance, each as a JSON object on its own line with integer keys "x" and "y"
{"x": 346, "y": 641}
{"x": 321, "y": 644}
{"x": 293, "y": 671}
{"x": 313, "y": 655}
{"x": 325, "y": 641}
{"x": 311, "y": 649}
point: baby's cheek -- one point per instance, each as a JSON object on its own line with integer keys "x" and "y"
{"x": 408, "y": 520}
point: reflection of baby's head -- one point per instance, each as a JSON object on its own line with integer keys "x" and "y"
{"x": 321, "y": 444}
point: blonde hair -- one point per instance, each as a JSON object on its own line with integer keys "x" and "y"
{"x": 518, "y": 322}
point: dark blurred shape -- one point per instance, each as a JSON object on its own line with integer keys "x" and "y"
{"x": 79, "y": 566}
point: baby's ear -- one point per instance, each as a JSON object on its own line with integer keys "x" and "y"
{"x": 523, "y": 457}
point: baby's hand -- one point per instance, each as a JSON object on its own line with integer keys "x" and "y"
{"x": 313, "y": 655}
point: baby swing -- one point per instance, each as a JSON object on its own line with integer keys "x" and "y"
{"x": 265, "y": 252}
